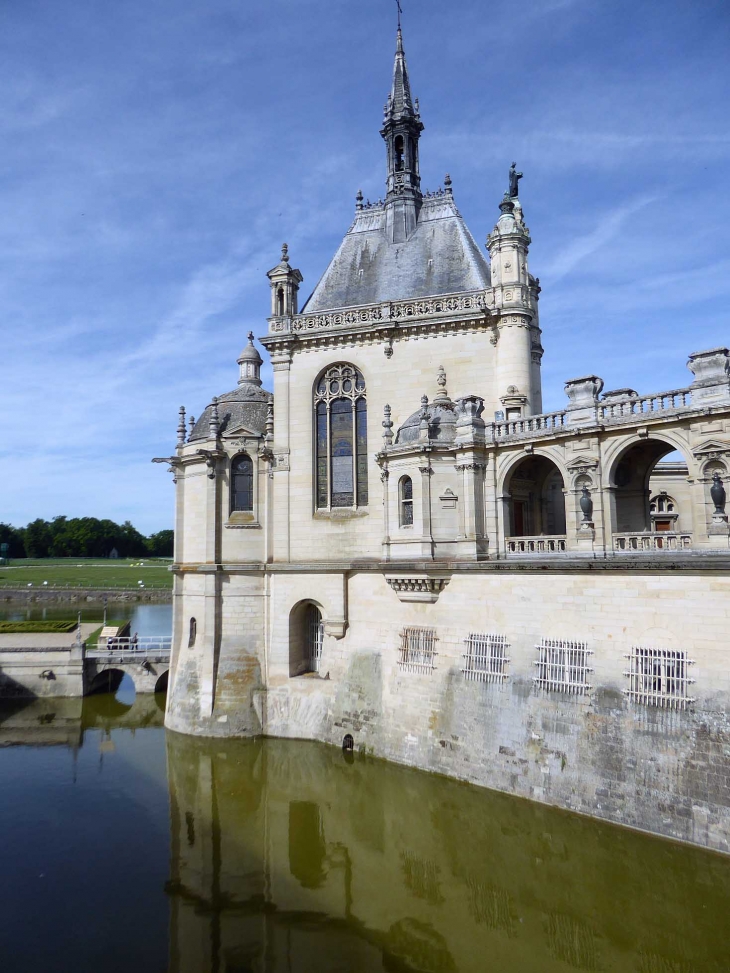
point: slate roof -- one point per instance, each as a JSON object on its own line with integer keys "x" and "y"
{"x": 244, "y": 406}
{"x": 441, "y": 424}
{"x": 440, "y": 257}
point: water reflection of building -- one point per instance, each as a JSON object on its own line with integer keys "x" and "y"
{"x": 61, "y": 721}
{"x": 288, "y": 858}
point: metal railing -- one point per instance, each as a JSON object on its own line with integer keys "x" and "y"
{"x": 638, "y": 541}
{"x": 542, "y": 544}
{"x": 135, "y": 647}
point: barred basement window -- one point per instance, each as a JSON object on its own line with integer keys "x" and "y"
{"x": 341, "y": 438}
{"x": 417, "y": 649}
{"x": 485, "y": 658}
{"x": 658, "y": 677}
{"x": 562, "y": 666}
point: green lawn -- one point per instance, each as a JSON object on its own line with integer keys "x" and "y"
{"x": 79, "y": 573}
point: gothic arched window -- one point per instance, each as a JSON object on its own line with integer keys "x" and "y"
{"x": 341, "y": 438}
{"x": 242, "y": 483}
{"x": 405, "y": 499}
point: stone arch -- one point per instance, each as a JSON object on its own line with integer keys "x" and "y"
{"x": 533, "y": 487}
{"x": 162, "y": 682}
{"x": 630, "y": 466}
{"x": 108, "y": 680}
{"x": 306, "y": 637}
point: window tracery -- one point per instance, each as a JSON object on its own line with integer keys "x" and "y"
{"x": 340, "y": 419}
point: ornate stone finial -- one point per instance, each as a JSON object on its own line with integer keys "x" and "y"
{"x": 191, "y": 426}
{"x": 181, "y": 426}
{"x": 507, "y": 206}
{"x": 514, "y": 178}
{"x": 214, "y": 421}
{"x": 447, "y": 183}
{"x": 423, "y": 426}
{"x": 285, "y": 253}
{"x": 418, "y": 107}
{"x": 359, "y": 199}
{"x": 442, "y": 394}
{"x": 270, "y": 422}
{"x": 387, "y": 426}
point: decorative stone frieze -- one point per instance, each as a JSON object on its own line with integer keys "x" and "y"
{"x": 423, "y": 588}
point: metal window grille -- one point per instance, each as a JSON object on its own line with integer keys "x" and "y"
{"x": 417, "y": 649}
{"x": 562, "y": 665}
{"x": 315, "y": 638}
{"x": 658, "y": 677}
{"x": 485, "y": 658}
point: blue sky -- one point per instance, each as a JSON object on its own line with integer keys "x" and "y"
{"x": 157, "y": 152}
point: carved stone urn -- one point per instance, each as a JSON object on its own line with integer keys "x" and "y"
{"x": 586, "y": 505}
{"x": 717, "y": 492}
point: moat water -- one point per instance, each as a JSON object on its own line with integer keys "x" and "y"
{"x": 129, "y": 849}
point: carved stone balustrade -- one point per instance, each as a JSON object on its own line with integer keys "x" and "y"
{"x": 542, "y": 544}
{"x": 642, "y": 542}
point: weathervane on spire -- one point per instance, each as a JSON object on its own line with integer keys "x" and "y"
{"x": 400, "y": 12}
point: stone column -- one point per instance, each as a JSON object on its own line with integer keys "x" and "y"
{"x": 385, "y": 477}
{"x": 210, "y": 634}
{"x": 426, "y": 536}
{"x": 281, "y": 364}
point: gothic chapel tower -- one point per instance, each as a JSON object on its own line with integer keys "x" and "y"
{"x": 365, "y": 452}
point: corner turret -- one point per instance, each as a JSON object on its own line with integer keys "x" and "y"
{"x": 285, "y": 281}
{"x": 519, "y": 350}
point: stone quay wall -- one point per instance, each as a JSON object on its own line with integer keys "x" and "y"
{"x": 75, "y": 596}
{"x": 598, "y": 752}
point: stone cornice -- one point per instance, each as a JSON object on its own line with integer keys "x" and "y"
{"x": 634, "y": 564}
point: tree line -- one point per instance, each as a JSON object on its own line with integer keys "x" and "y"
{"x": 83, "y": 537}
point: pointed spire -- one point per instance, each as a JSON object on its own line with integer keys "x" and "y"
{"x": 400, "y": 100}
{"x": 401, "y": 131}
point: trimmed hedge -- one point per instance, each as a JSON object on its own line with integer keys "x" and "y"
{"x": 16, "y": 628}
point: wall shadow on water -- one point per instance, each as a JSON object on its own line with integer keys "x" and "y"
{"x": 288, "y": 858}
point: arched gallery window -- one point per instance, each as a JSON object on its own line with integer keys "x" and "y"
{"x": 242, "y": 483}
{"x": 663, "y": 512}
{"x": 341, "y": 438}
{"x": 405, "y": 497}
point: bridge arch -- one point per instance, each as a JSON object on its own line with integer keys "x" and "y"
{"x": 108, "y": 680}
{"x": 162, "y": 681}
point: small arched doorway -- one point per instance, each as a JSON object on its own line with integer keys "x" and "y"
{"x": 306, "y": 638}
{"x": 535, "y": 502}
{"x": 651, "y": 503}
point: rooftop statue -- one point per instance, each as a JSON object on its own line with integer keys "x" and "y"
{"x": 514, "y": 178}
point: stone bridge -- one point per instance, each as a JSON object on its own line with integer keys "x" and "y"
{"x": 145, "y": 660}
{"x": 40, "y": 666}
